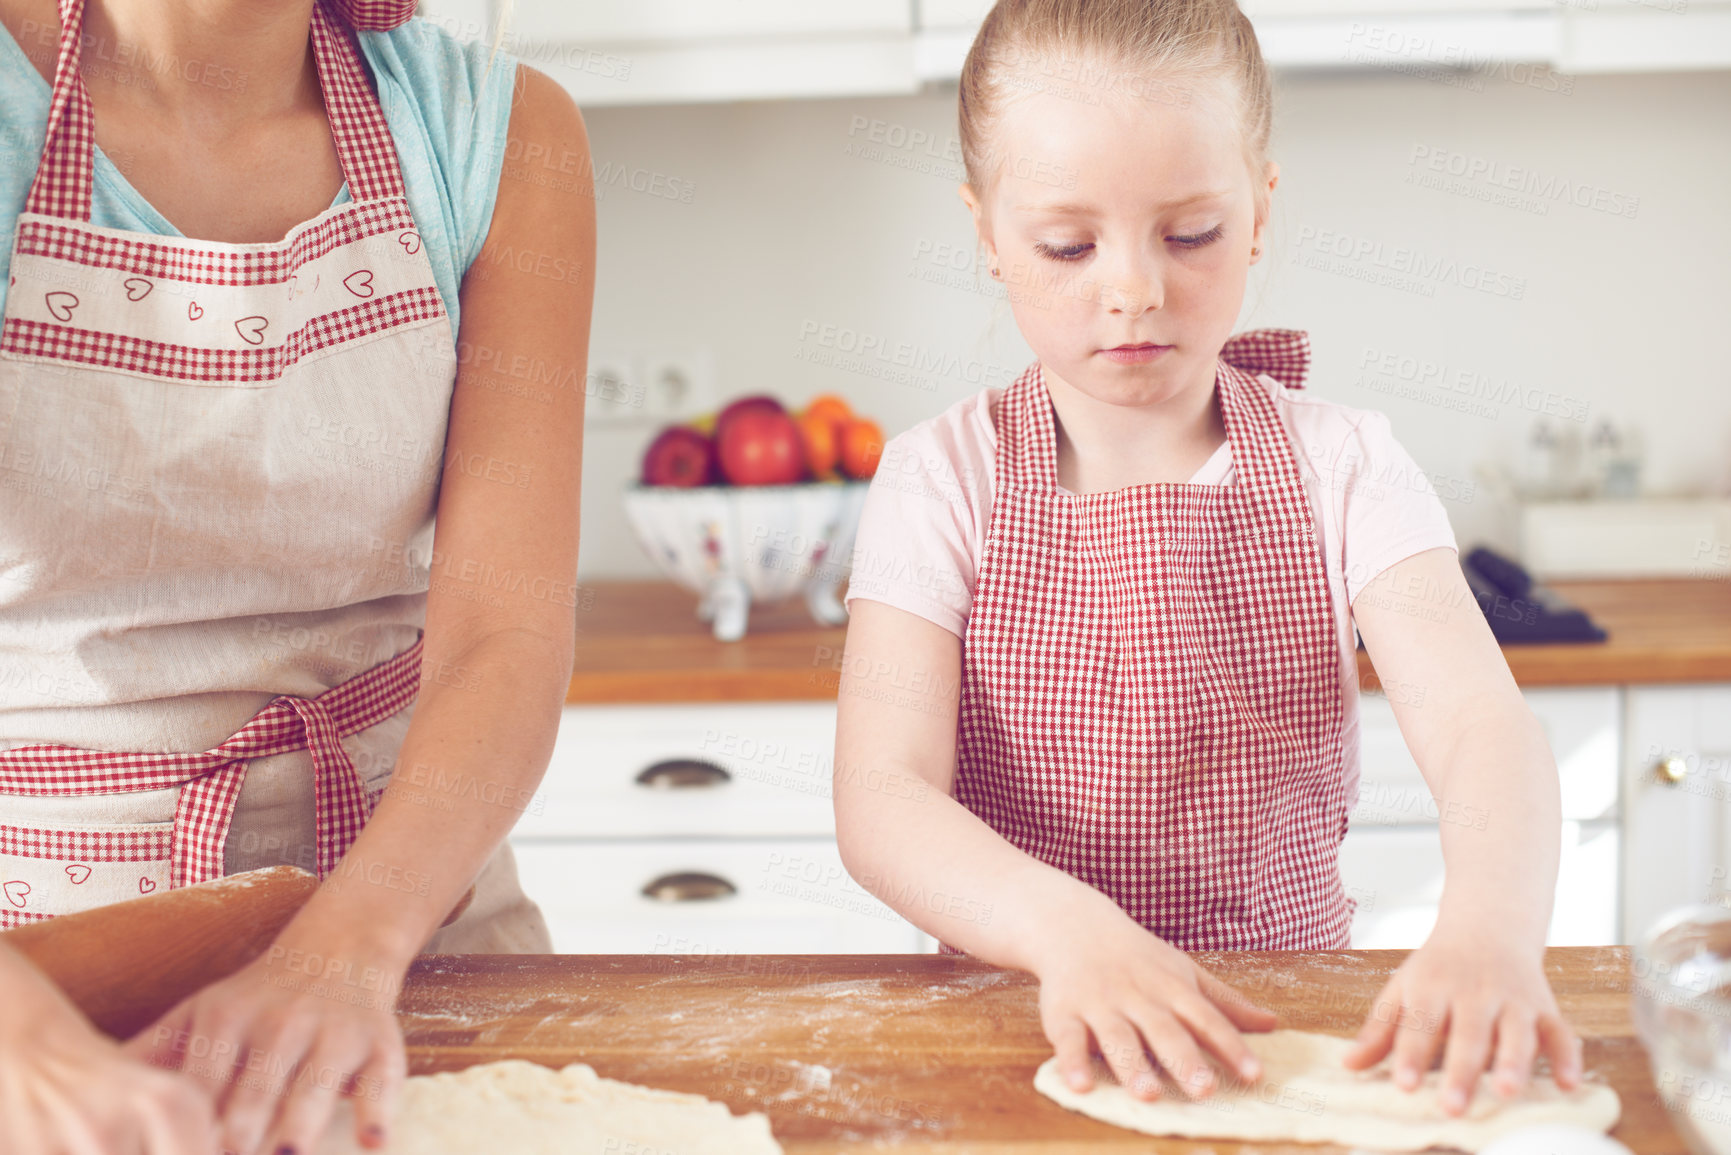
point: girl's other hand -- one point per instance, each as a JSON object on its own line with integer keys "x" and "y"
{"x": 1106, "y": 979}
{"x": 1478, "y": 1002}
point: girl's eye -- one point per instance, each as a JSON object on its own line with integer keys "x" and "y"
{"x": 1200, "y": 239}
{"x": 1061, "y": 252}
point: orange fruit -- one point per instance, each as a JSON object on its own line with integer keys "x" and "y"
{"x": 862, "y": 443}
{"x": 822, "y": 448}
{"x": 831, "y": 408}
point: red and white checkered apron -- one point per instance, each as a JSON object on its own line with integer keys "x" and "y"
{"x": 1150, "y": 691}
{"x": 172, "y": 527}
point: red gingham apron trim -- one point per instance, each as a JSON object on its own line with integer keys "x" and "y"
{"x": 1150, "y": 691}
{"x": 210, "y": 780}
{"x": 12, "y": 918}
{"x": 376, "y": 15}
{"x": 219, "y": 366}
{"x": 168, "y": 259}
{"x": 86, "y": 845}
{"x": 64, "y": 178}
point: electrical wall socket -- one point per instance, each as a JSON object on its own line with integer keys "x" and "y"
{"x": 630, "y": 389}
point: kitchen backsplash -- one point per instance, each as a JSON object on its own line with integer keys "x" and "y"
{"x": 1466, "y": 259}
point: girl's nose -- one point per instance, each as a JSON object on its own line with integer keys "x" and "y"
{"x": 1131, "y": 292}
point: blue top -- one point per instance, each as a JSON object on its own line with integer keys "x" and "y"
{"x": 448, "y": 113}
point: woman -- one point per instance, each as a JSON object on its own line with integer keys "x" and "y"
{"x": 222, "y": 600}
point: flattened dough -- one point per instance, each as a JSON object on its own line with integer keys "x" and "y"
{"x": 1306, "y": 1096}
{"x": 527, "y": 1109}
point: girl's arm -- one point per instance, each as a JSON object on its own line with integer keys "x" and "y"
{"x": 1478, "y": 983}
{"x": 908, "y": 841}
{"x": 499, "y": 645}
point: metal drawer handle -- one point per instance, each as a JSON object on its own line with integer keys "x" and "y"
{"x": 689, "y": 886}
{"x": 683, "y": 774}
{"x": 1671, "y": 770}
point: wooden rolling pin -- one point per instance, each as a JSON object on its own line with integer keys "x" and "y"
{"x": 127, "y": 964}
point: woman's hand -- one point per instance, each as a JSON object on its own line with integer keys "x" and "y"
{"x": 1488, "y": 1000}
{"x": 280, "y": 1041}
{"x": 1105, "y": 976}
{"x": 67, "y": 1090}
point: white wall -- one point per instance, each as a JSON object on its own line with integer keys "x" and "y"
{"x": 786, "y": 229}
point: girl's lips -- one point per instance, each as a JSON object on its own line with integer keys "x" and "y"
{"x": 1135, "y": 354}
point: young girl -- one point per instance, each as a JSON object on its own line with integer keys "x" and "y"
{"x": 1125, "y": 588}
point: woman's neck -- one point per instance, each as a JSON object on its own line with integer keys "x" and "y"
{"x": 204, "y": 63}
{"x": 1104, "y": 447}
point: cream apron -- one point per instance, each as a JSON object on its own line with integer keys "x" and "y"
{"x": 219, "y": 466}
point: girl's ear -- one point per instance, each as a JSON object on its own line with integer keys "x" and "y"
{"x": 982, "y": 228}
{"x": 1264, "y": 208}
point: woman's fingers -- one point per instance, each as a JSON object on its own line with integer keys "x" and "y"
{"x": 1468, "y": 1054}
{"x": 255, "y": 1090}
{"x": 382, "y": 1079}
{"x": 330, "y": 1071}
{"x": 1517, "y": 1041}
{"x": 176, "y": 1117}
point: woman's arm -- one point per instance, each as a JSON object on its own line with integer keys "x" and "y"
{"x": 908, "y": 841}
{"x": 66, "y": 1088}
{"x": 1479, "y": 979}
{"x": 499, "y": 645}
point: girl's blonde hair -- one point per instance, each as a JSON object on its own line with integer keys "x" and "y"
{"x": 1158, "y": 50}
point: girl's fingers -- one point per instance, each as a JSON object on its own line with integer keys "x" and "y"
{"x": 1469, "y": 1053}
{"x": 1175, "y": 1047}
{"x": 1235, "y": 1005}
{"x": 1122, "y": 1049}
{"x": 1212, "y": 1028}
{"x": 1419, "y": 1035}
{"x": 1558, "y": 1042}
{"x": 178, "y": 1118}
{"x": 1516, "y": 1043}
{"x": 1069, "y": 1039}
{"x": 1376, "y": 1037}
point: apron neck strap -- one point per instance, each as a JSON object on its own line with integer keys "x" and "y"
{"x": 1283, "y": 354}
{"x": 62, "y": 187}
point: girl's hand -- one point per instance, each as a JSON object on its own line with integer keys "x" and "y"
{"x": 68, "y": 1090}
{"x": 279, "y": 1041}
{"x": 1488, "y": 999}
{"x": 1105, "y": 976}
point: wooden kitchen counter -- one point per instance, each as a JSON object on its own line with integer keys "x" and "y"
{"x": 921, "y": 1052}
{"x": 642, "y": 642}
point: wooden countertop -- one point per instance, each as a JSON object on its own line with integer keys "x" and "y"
{"x": 642, "y": 642}
{"x": 914, "y": 1051}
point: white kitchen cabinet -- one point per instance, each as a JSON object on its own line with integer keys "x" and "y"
{"x": 1677, "y": 799}
{"x": 612, "y": 52}
{"x": 703, "y": 829}
{"x": 1391, "y": 861}
{"x": 1474, "y": 35}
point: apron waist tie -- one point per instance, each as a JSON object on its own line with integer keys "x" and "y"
{"x": 210, "y": 780}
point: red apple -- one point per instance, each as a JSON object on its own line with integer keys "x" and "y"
{"x": 739, "y": 407}
{"x": 760, "y": 447}
{"x": 679, "y": 456}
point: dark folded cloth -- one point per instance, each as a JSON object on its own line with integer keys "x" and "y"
{"x": 1520, "y": 610}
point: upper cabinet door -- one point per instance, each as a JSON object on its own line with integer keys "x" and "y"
{"x": 656, "y": 21}
{"x": 953, "y": 13}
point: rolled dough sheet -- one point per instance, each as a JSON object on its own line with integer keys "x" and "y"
{"x": 1306, "y": 1096}
{"x": 527, "y": 1109}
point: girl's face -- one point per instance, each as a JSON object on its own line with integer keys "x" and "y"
{"x": 1123, "y": 230}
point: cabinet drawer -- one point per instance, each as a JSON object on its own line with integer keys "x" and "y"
{"x": 1397, "y": 878}
{"x": 789, "y": 896}
{"x": 738, "y": 771}
{"x": 1581, "y": 725}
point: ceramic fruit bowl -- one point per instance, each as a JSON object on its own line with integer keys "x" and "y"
{"x": 734, "y": 546}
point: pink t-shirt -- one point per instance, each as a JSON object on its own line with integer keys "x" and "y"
{"x": 930, "y": 505}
